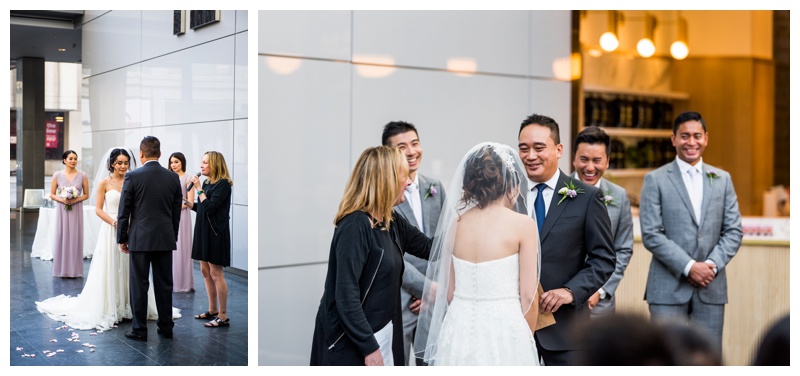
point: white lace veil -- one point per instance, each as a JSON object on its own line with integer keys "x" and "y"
{"x": 438, "y": 276}
{"x": 102, "y": 170}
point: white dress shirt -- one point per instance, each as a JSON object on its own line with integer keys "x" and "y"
{"x": 547, "y": 194}
{"x": 693, "y": 180}
{"x": 413, "y": 198}
{"x": 694, "y": 186}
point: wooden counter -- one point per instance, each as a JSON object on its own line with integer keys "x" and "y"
{"x": 758, "y": 294}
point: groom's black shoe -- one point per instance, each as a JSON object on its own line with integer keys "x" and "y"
{"x": 136, "y": 337}
{"x": 166, "y": 334}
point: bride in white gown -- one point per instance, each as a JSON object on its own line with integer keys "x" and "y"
{"x": 105, "y": 299}
{"x": 483, "y": 270}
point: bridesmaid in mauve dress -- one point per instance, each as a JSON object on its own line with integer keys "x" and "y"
{"x": 182, "y": 278}
{"x": 68, "y": 244}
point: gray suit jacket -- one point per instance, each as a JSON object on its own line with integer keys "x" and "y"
{"x": 672, "y": 233}
{"x": 415, "y": 267}
{"x": 619, "y": 212}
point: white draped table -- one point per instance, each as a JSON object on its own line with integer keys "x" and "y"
{"x": 45, "y": 232}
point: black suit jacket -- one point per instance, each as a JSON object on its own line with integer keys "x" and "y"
{"x": 149, "y": 207}
{"x": 577, "y": 253}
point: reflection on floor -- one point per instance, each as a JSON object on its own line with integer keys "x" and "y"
{"x": 33, "y": 332}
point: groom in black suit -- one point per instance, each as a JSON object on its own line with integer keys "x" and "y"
{"x": 577, "y": 254}
{"x": 147, "y": 228}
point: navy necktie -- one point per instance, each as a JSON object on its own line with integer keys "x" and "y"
{"x": 538, "y": 205}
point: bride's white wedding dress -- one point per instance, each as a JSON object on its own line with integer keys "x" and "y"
{"x": 484, "y": 323}
{"x": 105, "y": 299}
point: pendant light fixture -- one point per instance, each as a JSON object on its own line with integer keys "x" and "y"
{"x": 609, "y": 41}
{"x": 679, "y": 48}
{"x": 646, "y": 47}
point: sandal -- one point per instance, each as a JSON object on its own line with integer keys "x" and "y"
{"x": 216, "y": 323}
{"x": 206, "y": 315}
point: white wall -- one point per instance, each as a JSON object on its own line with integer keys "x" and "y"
{"x": 322, "y": 101}
{"x": 139, "y": 80}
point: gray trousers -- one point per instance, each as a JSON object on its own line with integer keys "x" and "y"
{"x": 707, "y": 316}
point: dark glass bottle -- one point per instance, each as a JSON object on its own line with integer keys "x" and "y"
{"x": 615, "y": 113}
{"x": 592, "y": 110}
{"x": 603, "y": 107}
{"x": 657, "y": 119}
{"x": 617, "y": 154}
{"x": 667, "y": 116}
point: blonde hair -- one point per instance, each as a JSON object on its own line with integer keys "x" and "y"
{"x": 374, "y": 184}
{"x": 218, "y": 169}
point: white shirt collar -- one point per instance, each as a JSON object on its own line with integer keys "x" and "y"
{"x": 683, "y": 166}
{"x": 414, "y": 187}
{"x": 552, "y": 182}
{"x": 152, "y": 160}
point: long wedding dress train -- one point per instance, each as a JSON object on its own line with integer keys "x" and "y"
{"x": 105, "y": 299}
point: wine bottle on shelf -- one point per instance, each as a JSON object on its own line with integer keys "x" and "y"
{"x": 629, "y": 114}
{"x": 657, "y": 115}
{"x": 615, "y": 112}
{"x": 658, "y": 152}
{"x": 638, "y": 117}
{"x": 592, "y": 111}
{"x": 648, "y": 114}
{"x": 616, "y": 154}
{"x": 668, "y": 115}
{"x": 647, "y": 155}
{"x": 603, "y": 106}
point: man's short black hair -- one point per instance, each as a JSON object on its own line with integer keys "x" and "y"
{"x": 544, "y": 121}
{"x": 150, "y": 147}
{"x": 688, "y": 116}
{"x": 592, "y": 135}
{"x": 394, "y": 128}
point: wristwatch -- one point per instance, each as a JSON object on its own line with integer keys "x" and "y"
{"x": 200, "y": 192}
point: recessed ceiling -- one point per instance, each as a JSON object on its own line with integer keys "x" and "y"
{"x": 52, "y": 35}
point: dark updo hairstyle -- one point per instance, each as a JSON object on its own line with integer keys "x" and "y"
{"x": 179, "y": 156}
{"x": 113, "y": 157}
{"x": 486, "y": 178}
{"x": 66, "y": 154}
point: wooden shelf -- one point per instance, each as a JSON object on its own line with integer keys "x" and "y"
{"x": 637, "y": 132}
{"x": 674, "y": 95}
{"x": 627, "y": 172}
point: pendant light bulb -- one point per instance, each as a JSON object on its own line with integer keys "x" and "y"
{"x": 646, "y": 47}
{"x": 609, "y": 42}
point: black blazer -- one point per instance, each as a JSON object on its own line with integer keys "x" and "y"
{"x": 150, "y": 205}
{"x": 355, "y": 245}
{"x": 577, "y": 253}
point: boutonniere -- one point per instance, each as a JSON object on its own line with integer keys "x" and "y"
{"x": 712, "y": 174}
{"x": 608, "y": 199}
{"x": 431, "y": 191}
{"x": 569, "y": 190}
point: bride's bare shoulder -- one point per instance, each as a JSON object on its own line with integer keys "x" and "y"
{"x": 522, "y": 220}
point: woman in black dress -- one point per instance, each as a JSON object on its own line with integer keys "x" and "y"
{"x": 212, "y": 235}
{"x": 365, "y": 266}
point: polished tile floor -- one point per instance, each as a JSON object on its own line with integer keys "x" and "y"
{"x": 32, "y": 332}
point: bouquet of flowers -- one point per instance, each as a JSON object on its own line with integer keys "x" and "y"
{"x": 67, "y": 193}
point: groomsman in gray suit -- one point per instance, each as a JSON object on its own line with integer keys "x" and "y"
{"x": 691, "y": 223}
{"x": 591, "y": 162}
{"x": 423, "y": 204}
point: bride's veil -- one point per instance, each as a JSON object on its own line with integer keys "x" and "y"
{"x": 438, "y": 277}
{"x": 102, "y": 170}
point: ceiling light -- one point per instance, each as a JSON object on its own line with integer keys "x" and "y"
{"x": 679, "y": 48}
{"x": 646, "y": 47}
{"x": 609, "y": 41}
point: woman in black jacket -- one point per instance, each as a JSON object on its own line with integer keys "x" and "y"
{"x": 212, "y": 235}
{"x": 365, "y": 266}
